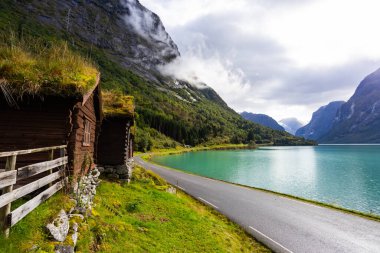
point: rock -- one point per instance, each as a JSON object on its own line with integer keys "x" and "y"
{"x": 171, "y": 190}
{"x": 59, "y": 228}
{"x": 109, "y": 170}
{"x": 86, "y": 189}
{"x": 78, "y": 215}
{"x": 74, "y": 236}
{"x": 33, "y": 248}
{"x": 101, "y": 169}
{"x": 122, "y": 170}
{"x": 114, "y": 176}
{"x": 64, "y": 249}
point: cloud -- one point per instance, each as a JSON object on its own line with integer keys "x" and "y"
{"x": 197, "y": 68}
{"x": 144, "y": 22}
{"x": 287, "y": 57}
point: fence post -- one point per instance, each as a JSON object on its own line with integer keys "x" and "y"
{"x": 51, "y": 157}
{"x": 62, "y": 153}
{"x": 4, "y": 212}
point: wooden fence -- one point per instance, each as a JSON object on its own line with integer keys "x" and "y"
{"x": 10, "y": 177}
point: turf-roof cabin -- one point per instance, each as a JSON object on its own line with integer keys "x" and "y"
{"x": 115, "y": 145}
{"x": 49, "y": 96}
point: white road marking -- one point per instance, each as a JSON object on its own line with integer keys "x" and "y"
{"x": 208, "y": 203}
{"x": 257, "y": 231}
{"x": 305, "y": 203}
{"x": 183, "y": 189}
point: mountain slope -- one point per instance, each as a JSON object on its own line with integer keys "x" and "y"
{"x": 321, "y": 122}
{"x": 262, "y": 119}
{"x": 128, "y": 43}
{"x": 291, "y": 125}
{"x": 358, "y": 120}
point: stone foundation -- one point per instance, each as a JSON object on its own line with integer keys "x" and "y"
{"x": 122, "y": 172}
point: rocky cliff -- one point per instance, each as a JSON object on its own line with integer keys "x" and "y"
{"x": 125, "y": 30}
{"x": 321, "y": 122}
{"x": 358, "y": 120}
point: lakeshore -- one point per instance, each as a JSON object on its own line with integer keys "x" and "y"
{"x": 199, "y": 169}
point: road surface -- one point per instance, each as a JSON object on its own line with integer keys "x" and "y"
{"x": 281, "y": 223}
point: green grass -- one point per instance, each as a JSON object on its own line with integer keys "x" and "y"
{"x": 30, "y": 231}
{"x": 34, "y": 66}
{"x": 143, "y": 217}
{"x": 180, "y": 149}
{"x": 139, "y": 217}
{"x": 115, "y": 103}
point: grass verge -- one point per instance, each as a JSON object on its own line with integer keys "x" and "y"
{"x": 180, "y": 150}
{"x": 137, "y": 217}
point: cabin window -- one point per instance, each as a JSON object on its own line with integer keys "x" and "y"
{"x": 87, "y": 133}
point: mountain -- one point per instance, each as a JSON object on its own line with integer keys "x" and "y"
{"x": 262, "y": 119}
{"x": 291, "y": 125}
{"x": 129, "y": 44}
{"x": 321, "y": 122}
{"x": 358, "y": 120}
{"x": 126, "y": 31}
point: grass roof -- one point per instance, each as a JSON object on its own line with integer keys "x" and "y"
{"x": 34, "y": 66}
{"x": 116, "y": 103}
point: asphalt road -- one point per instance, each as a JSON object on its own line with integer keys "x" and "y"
{"x": 281, "y": 223}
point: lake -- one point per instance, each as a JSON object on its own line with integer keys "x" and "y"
{"x": 343, "y": 175}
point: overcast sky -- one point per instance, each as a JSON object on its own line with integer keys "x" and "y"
{"x": 284, "y": 58}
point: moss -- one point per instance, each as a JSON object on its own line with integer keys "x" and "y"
{"x": 115, "y": 103}
{"x": 29, "y": 65}
{"x": 30, "y": 232}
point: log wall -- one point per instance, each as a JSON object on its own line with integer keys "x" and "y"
{"x": 112, "y": 142}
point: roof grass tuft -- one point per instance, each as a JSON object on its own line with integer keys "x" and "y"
{"x": 115, "y": 103}
{"x": 34, "y": 66}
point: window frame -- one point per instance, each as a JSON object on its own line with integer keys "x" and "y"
{"x": 86, "y": 132}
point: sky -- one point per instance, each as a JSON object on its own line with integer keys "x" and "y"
{"x": 283, "y": 58}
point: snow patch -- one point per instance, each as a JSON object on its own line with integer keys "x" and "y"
{"x": 374, "y": 106}
{"x": 352, "y": 111}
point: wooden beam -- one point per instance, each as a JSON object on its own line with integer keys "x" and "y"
{"x": 29, "y": 151}
{"x": 7, "y": 178}
{"x": 37, "y": 168}
{"x": 4, "y": 212}
{"x": 29, "y": 206}
{"x": 26, "y": 189}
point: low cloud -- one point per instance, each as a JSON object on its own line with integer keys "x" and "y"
{"x": 220, "y": 74}
{"x": 274, "y": 57}
{"x": 144, "y": 22}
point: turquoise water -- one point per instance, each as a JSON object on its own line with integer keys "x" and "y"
{"x": 346, "y": 176}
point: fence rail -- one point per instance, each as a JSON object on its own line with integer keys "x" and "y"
{"x": 55, "y": 181}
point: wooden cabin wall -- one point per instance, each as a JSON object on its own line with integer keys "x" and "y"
{"x": 130, "y": 147}
{"x": 112, "y": 142}
{"x": 37, "y": 123}
{"x": 79, "y": 154}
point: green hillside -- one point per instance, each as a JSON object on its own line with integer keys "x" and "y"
{"x": 160, "y": 107}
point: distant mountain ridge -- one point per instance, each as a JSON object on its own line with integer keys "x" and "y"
{"x": 321, "y": 122}
{"x": 358, "y": 120}
{"x": 262, "y": 119}
{"x": 291, "y": 125}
